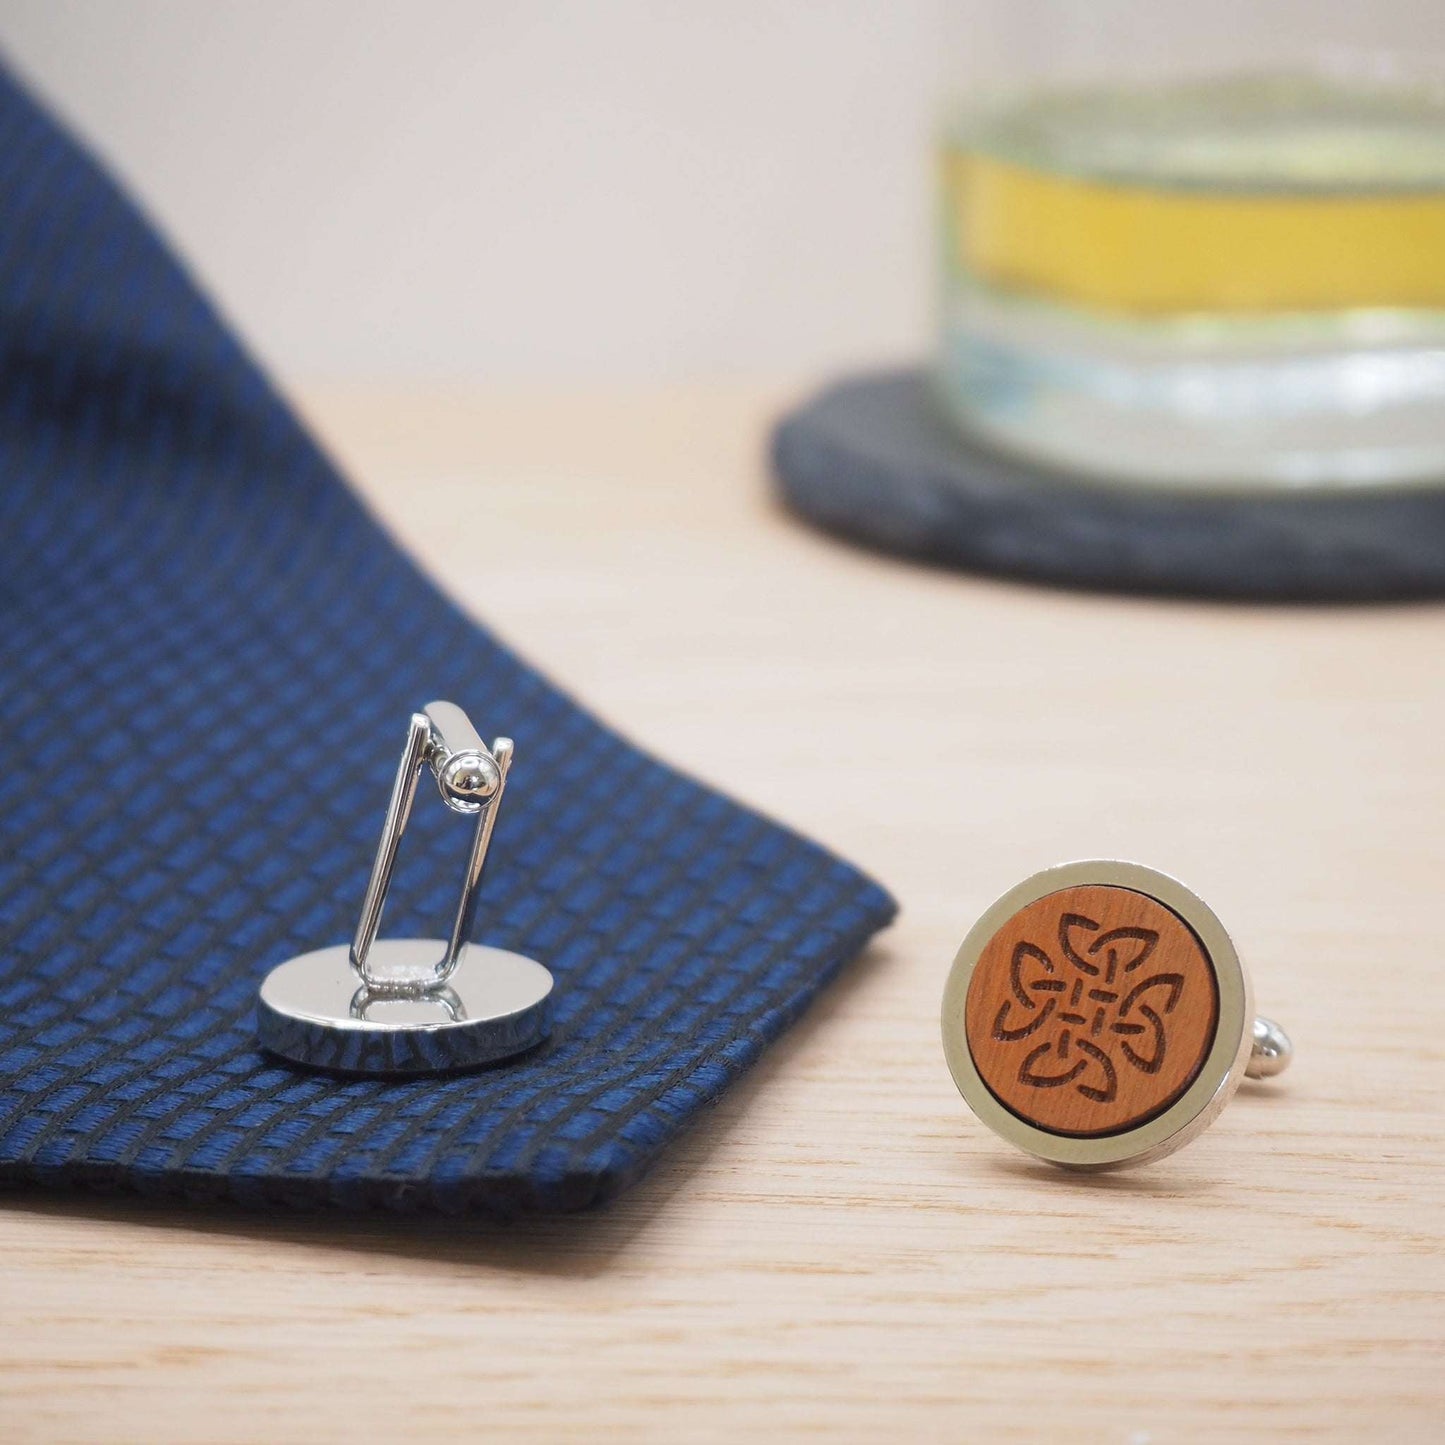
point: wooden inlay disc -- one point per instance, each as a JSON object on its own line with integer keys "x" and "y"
{"x": 1091, "y": 1010}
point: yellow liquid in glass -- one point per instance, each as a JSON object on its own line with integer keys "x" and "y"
{"x": 1254, "y": 197}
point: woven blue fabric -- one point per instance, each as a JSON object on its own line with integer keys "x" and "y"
{"x": 208, "y": 655}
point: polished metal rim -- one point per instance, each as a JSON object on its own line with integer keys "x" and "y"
{"x": 315, "y": 1010}
{"x": 1195, "y": 1109}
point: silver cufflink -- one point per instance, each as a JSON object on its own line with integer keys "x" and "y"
{"x": 415, "y": 1005}
{"x": 1098, "y": 1015}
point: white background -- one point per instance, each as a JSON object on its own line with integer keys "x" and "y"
{"x": 582, "y": 189}
{"x": 552, "y": 188}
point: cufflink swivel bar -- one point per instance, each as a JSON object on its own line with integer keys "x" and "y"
{"x": 408, "y": 1005}
{"x": 471, "y": 780}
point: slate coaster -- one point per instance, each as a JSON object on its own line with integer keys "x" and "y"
{"x": 873, "y": 459}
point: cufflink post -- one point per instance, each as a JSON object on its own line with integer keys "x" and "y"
{"x": 408, "y": 1005}
{"x": 1270, "y": 1050}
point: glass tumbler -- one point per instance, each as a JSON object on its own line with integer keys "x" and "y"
{"x": 1197, "y": 246}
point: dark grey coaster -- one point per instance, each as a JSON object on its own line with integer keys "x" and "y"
{"x": 873, "y": 459}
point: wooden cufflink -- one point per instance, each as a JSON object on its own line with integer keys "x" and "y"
{"x": 1098, "y": 1016}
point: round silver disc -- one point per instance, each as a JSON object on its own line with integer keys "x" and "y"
{"x": 315, "y": 1010}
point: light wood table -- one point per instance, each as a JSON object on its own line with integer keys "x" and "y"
{"x": 840, "y": 1251}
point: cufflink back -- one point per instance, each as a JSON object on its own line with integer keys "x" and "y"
{"x": 415, "y": 1005}
{"x": 1098, "y": 1016}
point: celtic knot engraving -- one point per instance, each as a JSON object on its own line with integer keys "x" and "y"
{"x": 1089, "y": 1015}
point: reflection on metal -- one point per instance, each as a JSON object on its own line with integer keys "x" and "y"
{"x": 405, "y": 1006}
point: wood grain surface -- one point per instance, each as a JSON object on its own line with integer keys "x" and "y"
{"x": 1090, "y": 1011}
{"x": 840, "y": 1252}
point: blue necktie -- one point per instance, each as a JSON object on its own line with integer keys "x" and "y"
{"x": 208, "y": 654}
